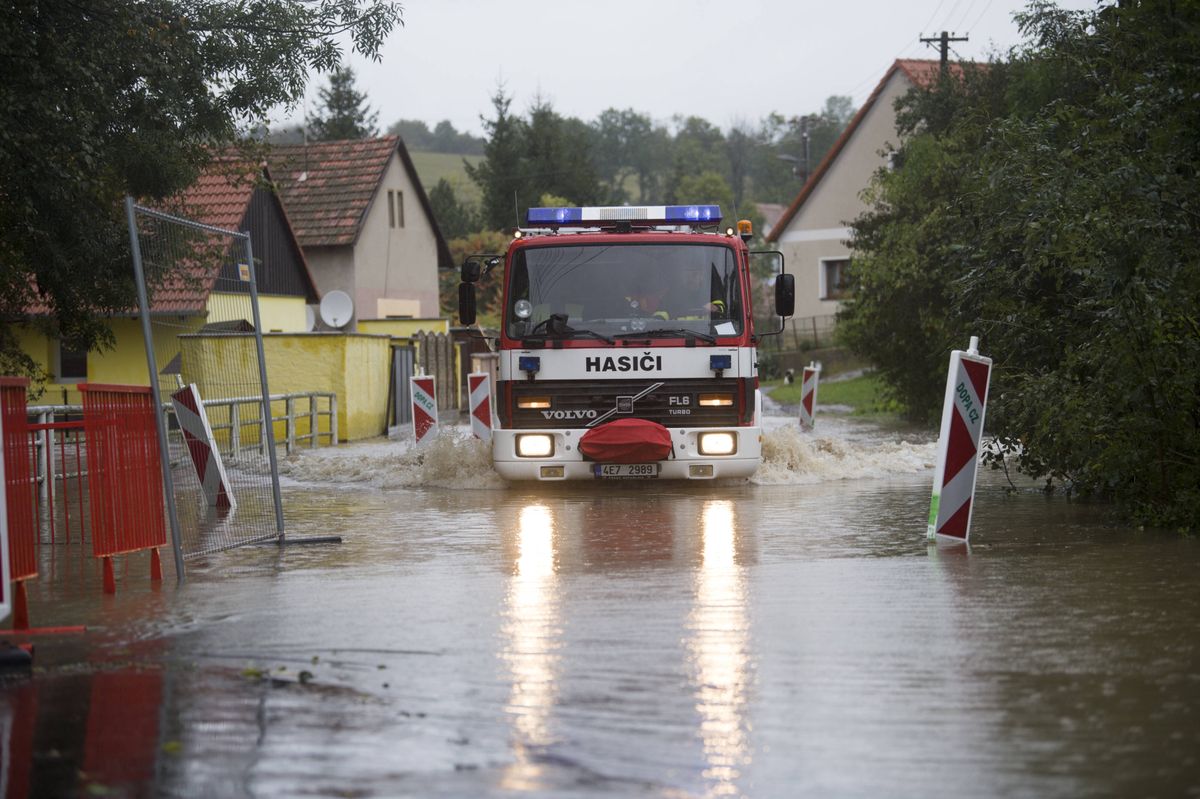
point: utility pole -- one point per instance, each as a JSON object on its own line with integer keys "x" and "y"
{"x": 943, "y": 43}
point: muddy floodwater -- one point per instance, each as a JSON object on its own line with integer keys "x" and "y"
{"x": 791, "y": 636}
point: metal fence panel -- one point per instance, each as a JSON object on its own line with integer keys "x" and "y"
{"x": 402, "y": 370}
{"x": 214, "y": 340}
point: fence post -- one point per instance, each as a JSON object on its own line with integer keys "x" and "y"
{"x": 266, "y": 417}
{"x": 333, "y": 420}
{"x": 289, "y": 427}
{"x": 235, "y": 429}
{"x": 312, "y": 421}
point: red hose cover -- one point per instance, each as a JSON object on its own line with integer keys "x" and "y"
{"x": 626, "y": 441}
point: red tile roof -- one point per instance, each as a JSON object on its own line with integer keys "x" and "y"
{"x": 219, "y": 198}
{"x": 919, "y": 72}
{"x": 328, "y": 188}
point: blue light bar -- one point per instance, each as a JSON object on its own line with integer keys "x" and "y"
{"x": 601, "y": 216}
{"x": 553, "y": 216}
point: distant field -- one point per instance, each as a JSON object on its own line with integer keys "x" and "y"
{"x": 432, "y": 167}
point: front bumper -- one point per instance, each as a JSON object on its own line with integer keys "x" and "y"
{"x": 686, "y": 462}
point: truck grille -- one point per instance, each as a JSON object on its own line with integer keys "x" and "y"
{"x": 581, "y": 403}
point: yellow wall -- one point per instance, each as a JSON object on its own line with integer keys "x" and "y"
{"x": 403, "y": 328}
{"x": 124, "y": 364}
{"x": 352, "y": 365}
{"x": 278, "y": 313}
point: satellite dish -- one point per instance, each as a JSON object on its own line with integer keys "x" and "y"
{"x": 310, "y": 318}
{"x": 336, "y": 309}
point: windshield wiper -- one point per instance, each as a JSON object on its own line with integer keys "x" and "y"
{"x": 556, "y": 327}
{"x": 669, "y": 332}
{"x": 592, "y": 334}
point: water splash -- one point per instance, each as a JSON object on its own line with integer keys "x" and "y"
{"x": 454, "y": 459}
{"x": 792, "y": 457}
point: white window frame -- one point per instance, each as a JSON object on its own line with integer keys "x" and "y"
{"x": 821, "y": 271}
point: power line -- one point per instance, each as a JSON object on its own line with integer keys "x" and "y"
{"x": 943, "y": 43}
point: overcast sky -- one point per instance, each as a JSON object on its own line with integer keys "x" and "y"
{"x": 724, "y": 61}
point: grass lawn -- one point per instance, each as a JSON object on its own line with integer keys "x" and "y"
{"x": 864, "y": 394}
{"x": 431, "y": 167}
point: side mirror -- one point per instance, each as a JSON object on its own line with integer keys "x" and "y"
{"x": 785, "y": 295}
{"x": 466, "y": 303}
{"x": 479, "y": 265}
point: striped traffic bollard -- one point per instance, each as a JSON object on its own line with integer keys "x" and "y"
{"x": 808, "y": 395}
{"x": 202, "y": 446}
{"x": 480, "y": 385}
{"x": 424, "y": 406}
{"x": 958, "y": 443}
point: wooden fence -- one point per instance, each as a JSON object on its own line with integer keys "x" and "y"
{"x": 437, "y": 356}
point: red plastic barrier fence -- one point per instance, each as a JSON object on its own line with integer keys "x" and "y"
{"x": 20, "y": 489}
{"x": 124, "y": 475}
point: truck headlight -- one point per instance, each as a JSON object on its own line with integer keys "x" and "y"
{"x": 535, "y": 445}
{"x": 717, "y": 443}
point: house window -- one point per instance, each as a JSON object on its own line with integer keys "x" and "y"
{"x": 833, "y": 278}
{"x": 395, "y": 209}
{"x": 72, "y": 363}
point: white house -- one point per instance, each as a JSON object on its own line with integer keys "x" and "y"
{"x": 813, "y": 231}
{"x": 365, "y": 223}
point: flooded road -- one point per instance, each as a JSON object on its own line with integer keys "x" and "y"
{"x": 795, "y": 636}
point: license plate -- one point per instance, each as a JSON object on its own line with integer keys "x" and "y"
{"x": 625, "y": 470}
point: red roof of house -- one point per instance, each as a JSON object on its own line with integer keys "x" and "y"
{"x": 919, "y": 72}
{"x": 328, "y": 188}
{"x": 219, "y": 198}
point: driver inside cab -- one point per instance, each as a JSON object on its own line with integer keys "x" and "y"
{"x": 692, "y": 295}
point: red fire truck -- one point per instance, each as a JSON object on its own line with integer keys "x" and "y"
{"x": 627, "y": 344}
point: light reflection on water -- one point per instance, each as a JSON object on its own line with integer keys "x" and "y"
{"x": 719, "y": 647}
{"x": 531, "y": 628}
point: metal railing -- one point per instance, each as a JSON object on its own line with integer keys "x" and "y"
{"x": 253, "y": 419}
{"x": 309, "y": 409}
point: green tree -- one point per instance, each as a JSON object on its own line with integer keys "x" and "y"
{"x": 454, "y": 218}
{"x": 103, "y": 98}
{"x": 628, "y": 144}
{"x": 558, "y": 158}
{"x": 416, "y": 134}
{"x": 699, "y": 147}
{"x": 1048, "y": 203}
{"x": 343, "y": 113}
{"x": 501, "y": 174}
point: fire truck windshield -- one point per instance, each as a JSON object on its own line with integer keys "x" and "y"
{"x": 624, "y": 288}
